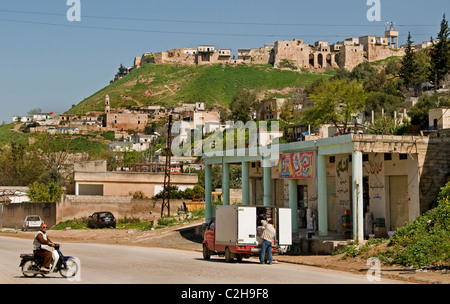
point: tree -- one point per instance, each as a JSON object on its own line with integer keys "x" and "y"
{"x": 45, "y": 193}
{"x": 54, "y": 152}
{"x": 243, "y": 104}
{"x": 35, "y": 111}
{"x": 440, "y": 56}
{"x": 122, "y": 70}
{"x": 18, "y": 166}
{"x": 383, "y": 125}
{"x": 419, "y": 113}
{"x": 408, "y": 69}
{"x": 337, "y": 102}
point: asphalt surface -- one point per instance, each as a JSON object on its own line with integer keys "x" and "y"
{"x": 119, "y": 264}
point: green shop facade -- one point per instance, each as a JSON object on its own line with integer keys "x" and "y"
{"x": 350, "y": 186}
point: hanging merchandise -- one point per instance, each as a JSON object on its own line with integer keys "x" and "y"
{"x": 346, "y": 232}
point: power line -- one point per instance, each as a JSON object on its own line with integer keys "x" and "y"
{"x": 217, "y": 22}
{"x": 175, "y": 32}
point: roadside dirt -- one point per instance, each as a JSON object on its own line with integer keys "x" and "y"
{"x": 183, "y": 237}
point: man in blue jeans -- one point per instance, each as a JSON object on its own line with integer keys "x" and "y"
{"x": 267, "y": 236}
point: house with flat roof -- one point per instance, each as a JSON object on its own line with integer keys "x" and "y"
{"x": 92, "y": 178}
{"x": 378, "y": 179}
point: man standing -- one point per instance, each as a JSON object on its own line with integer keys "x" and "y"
{"x": 41, "y": 239}
{"x": 267, "y": 236}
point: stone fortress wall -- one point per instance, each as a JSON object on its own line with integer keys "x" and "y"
{"x": 293, "y": 54}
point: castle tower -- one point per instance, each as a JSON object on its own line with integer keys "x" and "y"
{"x": 107, "y": 105}
{"x": 391, "y": 35}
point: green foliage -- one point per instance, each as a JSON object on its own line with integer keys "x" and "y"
{"x": 337, "y": 102}
{"x": 44, "y": 193}
{"x": 419, "y": 113}
{"x": 8, "y": 135}
{"x": 383, "y": 125}
{"x": 363, "y": 250}
{"x": 408, "y": 68}
{"x": 109, "y": 135}
{"x": 213, "y": 84}
{"x": 188, "y": 193}
{"x": 425, "y": 241}
{"x": 18, "y": 165}
{"x": 440, "y": 55}
{"x": 376, "y": 101}
{"x": 243, "y": 104}
{"x": 73, "y": 224}
{"x": 287, "y": 64}
{"x": 216, "y": 177}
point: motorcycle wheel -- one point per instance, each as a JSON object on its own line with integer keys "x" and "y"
{"x": 71, "y": 270}
{"x": 28, "y": 266}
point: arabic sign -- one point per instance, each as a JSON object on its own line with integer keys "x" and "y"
{"x": 296, "y": 165}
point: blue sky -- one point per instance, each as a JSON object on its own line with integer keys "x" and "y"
{"x": 50, "y": 63}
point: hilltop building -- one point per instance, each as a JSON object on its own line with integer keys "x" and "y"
{"x": 125, "y": 120}
{"x": 293, "y": 54}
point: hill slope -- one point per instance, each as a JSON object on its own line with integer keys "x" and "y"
{"x": 169, "y": 85}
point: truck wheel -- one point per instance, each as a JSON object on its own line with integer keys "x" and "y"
{"x": 228, "y": 255}
{"x": 206, "y": 252}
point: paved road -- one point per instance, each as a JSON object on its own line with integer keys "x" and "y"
{"x": 110, "y": 264}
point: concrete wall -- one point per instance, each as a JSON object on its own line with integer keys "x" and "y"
{"x": 71, "y": 207}
{"x": 124, "y": 183}
{"x": 436, "y": 168}
{"x": 442, "y": 117}
{"x": 13, "y": 214}
{"x": 75, "y": 206}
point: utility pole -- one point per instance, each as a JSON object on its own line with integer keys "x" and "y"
{"x": 166, "y": 191}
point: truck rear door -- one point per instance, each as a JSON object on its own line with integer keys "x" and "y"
{"x": 284, "y": 227}
{"x": 246, "y": 225}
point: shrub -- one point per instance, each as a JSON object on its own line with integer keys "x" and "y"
{"x": 426, "y": 240}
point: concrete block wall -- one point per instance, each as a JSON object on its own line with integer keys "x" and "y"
{"x": 81, "y": 206}
{"x": 436, "y": 168}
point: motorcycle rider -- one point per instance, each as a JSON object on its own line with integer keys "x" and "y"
{"x": 41, "y": 239}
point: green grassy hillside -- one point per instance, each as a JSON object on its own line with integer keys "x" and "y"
{"x": 169, "y": 85}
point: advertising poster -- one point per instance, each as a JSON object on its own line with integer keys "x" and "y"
{"x": 296, "y": 165}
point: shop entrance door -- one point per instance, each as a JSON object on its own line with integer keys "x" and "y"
{"x": 399, "y": 204}
{"x": 302, "y": 204}
{"x": 331, "y": 200}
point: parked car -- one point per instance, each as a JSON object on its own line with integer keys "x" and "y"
{"x": 31, "y": 222}
{"x": 102, "y": 219}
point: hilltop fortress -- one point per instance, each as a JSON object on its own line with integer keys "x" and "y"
{"x": 293, "y": 54}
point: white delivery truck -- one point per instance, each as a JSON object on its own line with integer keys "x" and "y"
{"x": 234, "y": 231}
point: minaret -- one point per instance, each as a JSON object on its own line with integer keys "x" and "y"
{"x": 107, "y": 111}
{"x": 107, "y": 106}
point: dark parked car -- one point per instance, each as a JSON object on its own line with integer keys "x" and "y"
{"x": 102, "y": 219}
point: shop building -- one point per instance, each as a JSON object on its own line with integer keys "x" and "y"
{"x": 374, "y": 179}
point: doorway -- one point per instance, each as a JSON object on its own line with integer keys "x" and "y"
{"x": 331, "y": 204}
{"x": 399, "y": 203}
{"x": 302, "y": 204}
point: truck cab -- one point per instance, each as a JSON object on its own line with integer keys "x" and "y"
{"x": 235, "y": 231}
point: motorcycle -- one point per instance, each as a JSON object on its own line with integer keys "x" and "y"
{"x": 66, "y": 266}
